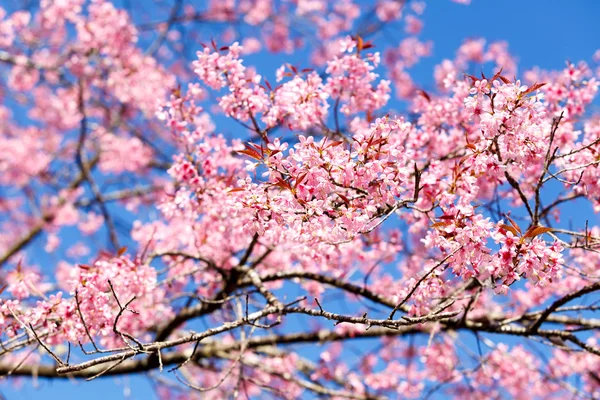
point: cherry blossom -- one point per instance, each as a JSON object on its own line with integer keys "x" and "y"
{"x": 236, "y": 228}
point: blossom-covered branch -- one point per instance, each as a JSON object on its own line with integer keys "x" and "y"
{"x": 233, "y": 228}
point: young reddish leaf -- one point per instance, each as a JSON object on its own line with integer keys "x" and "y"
{"x": 333, "y": 144}
{"x": 300, "y": 179}
{"x": 472, "y": 78}
{"x": 514, "y": 224}
{"x": 424, "y": 94}
{"x": 497, "y": 75}
{"x": 251, "y": 153}
{"x": 509, "y": 228}
{"x": 534, "y": 87}
{"x": 344, "y": 199}
{"x": 504, "y": 79}
{"x": 537, "y": 230}
{"x": 447, "y": 217}
{"x": 283, "y": 184}
{"x": 121, "y": 251}
{"x": 368, "y": 45}
{"x": 236, "y": 190}
{"x": 254, "y": 146}
{"x": 441, "y": 224}
{"x": 378, "y": 141}
{"x": 359, "y": 44}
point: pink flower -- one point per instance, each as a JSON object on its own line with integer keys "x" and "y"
{"x": 389, "y": 10}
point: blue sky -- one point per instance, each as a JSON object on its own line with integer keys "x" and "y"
{"x": 542, "y": 33}
{"x": 539, "y": 32}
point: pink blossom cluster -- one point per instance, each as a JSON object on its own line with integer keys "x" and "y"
{"x": 351, "y": 82}
{"x": 100, "y": 293}
{"x": 455, "y": 216}
{"x": 246, "y": 96}
{"x": 301, "y": 102}
{"x": 24, "y": 154}
{"x": 121, "y": 154}
{"x": 10, "y": 27}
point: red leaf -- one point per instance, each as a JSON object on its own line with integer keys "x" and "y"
{"x": 251, "y": 153}
{"x": 359, "y": 44}
{"x": 509, "y": 228}
{"x": 424, "y": 94}
{"x": 378, "y": 141}
{"x": 344, "y": 199}
{"x": 514, "y": 224}
{"x": 497, "y": 75}
{"x": 300, "y": 179}
{"x": 447, "y": 217}
{"x": 254, "y": 146}
{"x": 535, "y": 87}
{"x": 368, "y": 45}
{"x": 283, "y": 184}
{"x": 472, "y": 78}
{"x": 537, "y": 230}
{"x": 333, "y": 144}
